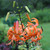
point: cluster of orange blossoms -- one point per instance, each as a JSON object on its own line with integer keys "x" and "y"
{"x": 19, "y": 32}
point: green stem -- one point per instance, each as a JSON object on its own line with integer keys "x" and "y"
{"x": 27, "y": 46}
{"x": 20, "y": 20}
{"x": 16, "y": 48}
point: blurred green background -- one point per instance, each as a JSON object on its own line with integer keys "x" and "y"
{"x": 39, "y": 9}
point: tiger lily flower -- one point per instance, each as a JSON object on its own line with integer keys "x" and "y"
{"x": 14, "y": 32}
{"x": 17, "y": 33}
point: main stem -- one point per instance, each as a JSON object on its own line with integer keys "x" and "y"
{"x": 20, "y": 20}
{"x": 27, "y": 45}
{"x": 16, "y": 48}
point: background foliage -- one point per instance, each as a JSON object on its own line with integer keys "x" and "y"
{"x": 6, "y": 5}
{"x": 3, "y": 32}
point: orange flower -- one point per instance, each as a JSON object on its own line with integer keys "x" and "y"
{"x": 32, "y": 29}
{"x": 17, "y": 33}
{"x": 14, "y": 32}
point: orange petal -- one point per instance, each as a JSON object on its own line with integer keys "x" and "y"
{"x": 9, "y": 42}
{"x": 40, "y": 30}
{"x": 39, "y": 36}
{"x": 33, "y": 39}
{"x": 29, "y": 24}
{"x": 36, "y": 21}
{"x": 17, "y": 26}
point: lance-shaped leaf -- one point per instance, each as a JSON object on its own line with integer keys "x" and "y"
{"x": 14, "y": 3}
{"x": 7, "y": 16}
{"x": 27, "y": 9}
